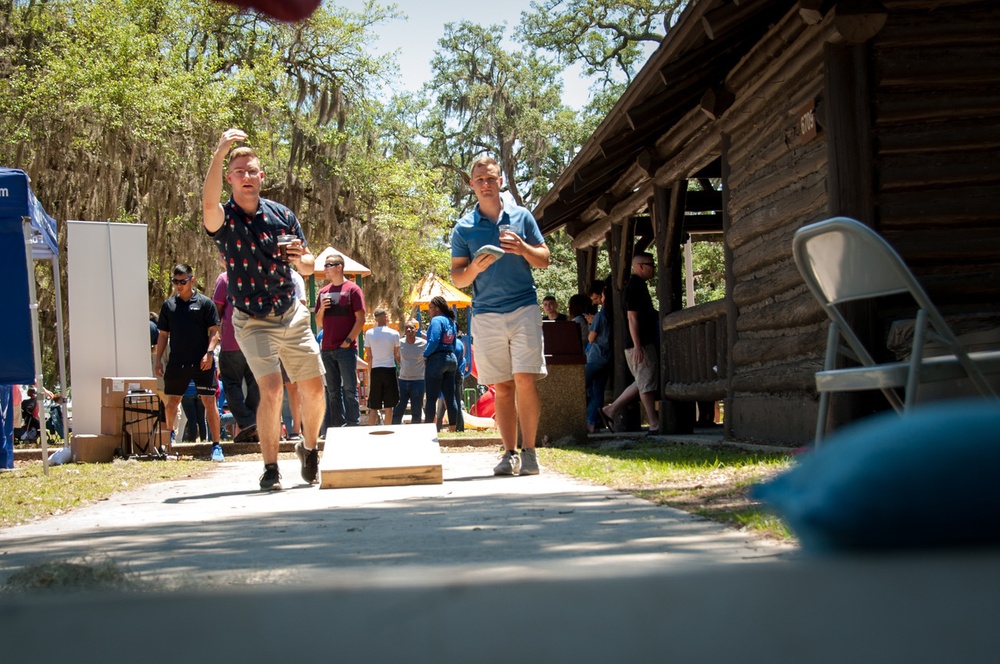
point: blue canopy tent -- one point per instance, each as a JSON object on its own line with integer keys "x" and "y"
{"x": 27, "y": 234}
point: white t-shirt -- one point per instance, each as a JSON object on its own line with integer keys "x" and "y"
{"x": 381, "y": 342}
{"x": 300, "y": 286}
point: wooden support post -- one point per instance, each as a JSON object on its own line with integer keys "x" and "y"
{"x": 732, "y": 311}
{"x": 851, "y": 183}
{"x": 620, "y": 243}
{"x": 586, "y": 268}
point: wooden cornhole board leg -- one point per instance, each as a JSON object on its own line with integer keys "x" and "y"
{"x": 380, "y": 456}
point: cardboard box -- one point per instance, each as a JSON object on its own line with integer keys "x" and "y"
{"x": 114, "y": 389}
{"x": 111, "y": 420}
{"x": 93, "y": 448}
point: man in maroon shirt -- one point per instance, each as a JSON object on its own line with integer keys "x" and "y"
{"x": 341, "y": 306}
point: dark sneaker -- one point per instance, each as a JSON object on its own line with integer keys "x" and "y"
{"x": 529, "y": 462}
{"x": 247, "y": 435}
{"x": 271, "y": 479}
{"x": 295, "y": 438}
{"x": 310, "y": 462}
{"x": 509, "y": 464}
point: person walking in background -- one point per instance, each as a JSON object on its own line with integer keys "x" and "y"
{"x": 261, "y": 240}
{"x": 196, "y": 426}
{"x": 154, "y": 332}
{"x": 463, "y": 356}
{"x": 439, "y": 372}
{"x": 642, "y": 348}
{"x": 341, "y": 306}
{"x": 234, "y": 372}
{"x": 598, "y": 353}
{"x": 382, "y": 354}
{"x": 411, "y": 375}
{"x": 505, "y": 322}
{"x": 189, "y": 322}
{"x": 463, "y": 359}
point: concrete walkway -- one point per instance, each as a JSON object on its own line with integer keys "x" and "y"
{"x": 480, "y": 569}
{"x": 220, "y": 529}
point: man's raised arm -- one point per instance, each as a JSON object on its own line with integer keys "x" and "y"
{"x": 211, "y": 193}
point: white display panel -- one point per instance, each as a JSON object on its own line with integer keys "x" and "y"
{"x": 108, "y": 311}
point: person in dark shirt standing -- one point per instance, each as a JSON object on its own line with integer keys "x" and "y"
{"x": 641, "y": 344}
{"x": 189, "y": 322}
{"x": 260, "y": 240}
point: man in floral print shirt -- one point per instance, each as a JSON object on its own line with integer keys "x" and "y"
{"x": 270, "y": 323}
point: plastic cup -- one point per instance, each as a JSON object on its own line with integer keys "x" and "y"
{"x": 284, "y": 241}
{"x": 503, "y": 228}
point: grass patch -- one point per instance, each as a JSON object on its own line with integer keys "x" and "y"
{"x": 713, "y": 482}
{"x": 470, "y": 433}
{"x": 28, "y": 494}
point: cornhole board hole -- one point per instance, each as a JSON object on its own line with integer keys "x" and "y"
{"x": 380, "y": 456}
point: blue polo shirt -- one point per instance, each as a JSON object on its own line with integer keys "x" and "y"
{"x": 260, "y": 283}
{"x": 507, "y": 284}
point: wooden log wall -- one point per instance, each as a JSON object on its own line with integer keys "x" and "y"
{"x": 936, "y": 71}
{"x": 695, "y": 353}
{"x": 777, "y": 183}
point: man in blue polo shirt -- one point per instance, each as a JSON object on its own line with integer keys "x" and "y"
{"x": 271, "y": 325}
{"x": 505, "y": 323}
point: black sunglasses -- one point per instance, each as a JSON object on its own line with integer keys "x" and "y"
{"x": 181, "y": 282}
{"x": 329, "y": 265}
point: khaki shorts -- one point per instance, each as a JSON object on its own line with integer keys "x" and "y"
{"x": 287, "y": 337}
{"x": 507, "y": 344}
{"x": 646, "y": 374}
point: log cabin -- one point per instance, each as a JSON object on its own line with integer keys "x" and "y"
{"x": 756, "y": 117}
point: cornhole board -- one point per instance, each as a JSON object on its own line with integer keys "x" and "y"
{"x": 380, "y": 456}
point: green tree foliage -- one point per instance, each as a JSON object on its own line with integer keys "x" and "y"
{"x": 606, "y": 37}
{"x": 709, "y": 268}
{"x": 485, "y": 99}
{"x": 113, "y": 107}
{"x": 559, "y": 279}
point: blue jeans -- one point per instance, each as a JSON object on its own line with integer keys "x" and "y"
{"x": 233, "y": 371}
{"x": 411, "y": 392}
{"x": 439, "y": 376}
{"x": 194, "y": 411}
{"x": 595, "y": 377}
{"x": 341, "y": 387}
{"x": 459, "y": 422}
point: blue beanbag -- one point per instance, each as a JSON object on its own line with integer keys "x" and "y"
{"x": 924, "y": 480}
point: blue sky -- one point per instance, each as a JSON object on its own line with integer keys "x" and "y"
{"x": 417, "y": 36}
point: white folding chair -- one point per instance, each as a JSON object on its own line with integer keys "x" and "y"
{"x": 842, "y": 260}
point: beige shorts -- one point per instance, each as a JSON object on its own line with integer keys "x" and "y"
{"x": 507, "y": 344}
{"x": 646, "y": 374}
{"x": 287, "y": 337}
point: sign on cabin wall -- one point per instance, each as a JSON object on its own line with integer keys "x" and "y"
{"x": 807, "y": 122}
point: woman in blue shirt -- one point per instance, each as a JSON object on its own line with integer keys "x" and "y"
{"x": 439, "y": 372}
